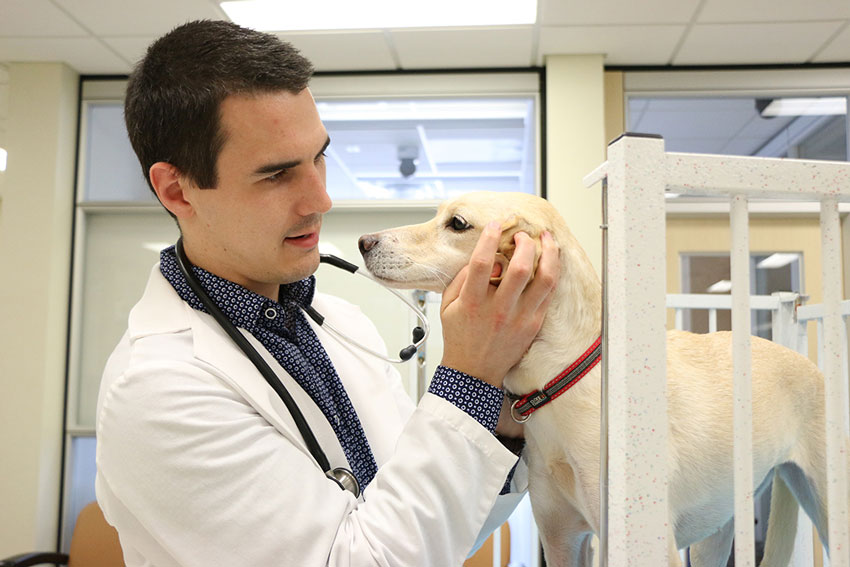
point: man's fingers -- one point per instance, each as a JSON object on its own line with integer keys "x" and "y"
{"x": 520, "y": 269}
{"x": 452, "y": 290}
{"x": 481, "y": 262}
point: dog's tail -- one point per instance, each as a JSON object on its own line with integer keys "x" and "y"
{"x": 781, "y": 525}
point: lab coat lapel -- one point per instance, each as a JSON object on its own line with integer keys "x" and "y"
{"x": 212, "y": 345}
{"x": 162, "y": 311}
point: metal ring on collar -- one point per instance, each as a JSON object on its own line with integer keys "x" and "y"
{"x": 516, "y": 416}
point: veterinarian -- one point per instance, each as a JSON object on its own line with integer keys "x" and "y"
{"x": 199, "y": 460}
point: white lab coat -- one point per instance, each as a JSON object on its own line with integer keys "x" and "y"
{"x": 200, "y": 463}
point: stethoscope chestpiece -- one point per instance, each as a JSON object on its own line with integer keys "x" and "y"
{"x": 345, "y": 479}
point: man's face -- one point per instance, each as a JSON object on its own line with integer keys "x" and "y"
{"x": 260, "y": 226}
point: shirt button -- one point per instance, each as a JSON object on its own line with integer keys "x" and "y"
{"x": 270, "y": 313}
{"x": 336, "y": 417}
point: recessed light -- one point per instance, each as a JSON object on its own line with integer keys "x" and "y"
{"x": 823, "y": 106}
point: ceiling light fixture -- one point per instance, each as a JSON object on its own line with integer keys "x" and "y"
{"x": 274, "y": 15}
{"x": 721, "y": 286}
{"x": 777, "y": 260}
{"x": 823, "y": 106}
{"x": 3, "y": 156}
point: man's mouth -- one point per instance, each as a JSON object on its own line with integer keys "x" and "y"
{"x": 306, "y": 240}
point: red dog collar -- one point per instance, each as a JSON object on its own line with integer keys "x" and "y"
{"x": 525, "y": 405}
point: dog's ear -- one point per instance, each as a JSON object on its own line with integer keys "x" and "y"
{"x": 510, "y": 227}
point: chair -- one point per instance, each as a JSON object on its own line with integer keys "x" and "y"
{"x": 484, "y": 556}
{"x": 93, "y": 544}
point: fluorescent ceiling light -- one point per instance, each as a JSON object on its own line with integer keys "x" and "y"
{"x": 3, "y": 156}
{"x": 276, "y": 15}
{"x": 721, "y": 286}
{"x": 777, "y": 260}
{"x": 827, "y": 106}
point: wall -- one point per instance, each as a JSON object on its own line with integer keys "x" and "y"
{"x": 575, "y": 144}
{"x": 35, "y": 244}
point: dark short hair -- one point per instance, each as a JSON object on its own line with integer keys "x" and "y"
{"x": 174, "y": 93}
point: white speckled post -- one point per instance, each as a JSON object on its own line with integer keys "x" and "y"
{"x": 833, "y": 351}
{"x": 742, "y": 415}
{"x": 638, "y": 171}
{"x": 636, "y": 363}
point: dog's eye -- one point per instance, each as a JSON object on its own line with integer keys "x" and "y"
{"x": 459, "y": 223}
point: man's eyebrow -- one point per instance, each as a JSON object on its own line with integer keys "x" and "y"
{"x": 275, "y": 167}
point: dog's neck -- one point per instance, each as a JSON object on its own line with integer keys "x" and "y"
{"x": 572, "y": 324}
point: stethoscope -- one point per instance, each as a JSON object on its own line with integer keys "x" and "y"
{"x": 341, "y": 475}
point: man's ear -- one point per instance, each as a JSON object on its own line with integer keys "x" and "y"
{"x": 506, "y": 249}
{"x": 170, "y": 186}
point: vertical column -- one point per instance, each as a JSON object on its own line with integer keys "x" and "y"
{"x": 636, "y": 362}
{"x": 743, "y": 388}
{"x": 36, "y": 209}
{"x": 836, "y": 420}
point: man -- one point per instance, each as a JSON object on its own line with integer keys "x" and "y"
{"x": 199, "y": 461}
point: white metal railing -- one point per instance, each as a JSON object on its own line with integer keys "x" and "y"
{"x": 635, "y": 178}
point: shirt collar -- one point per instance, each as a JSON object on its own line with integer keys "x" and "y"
{"x": 243, "y": 307}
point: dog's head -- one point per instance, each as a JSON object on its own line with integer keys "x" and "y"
{"x": 429, "y": 255}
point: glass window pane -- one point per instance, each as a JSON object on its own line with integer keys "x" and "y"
{"x": 711, "y": 273}
{"x": 112, "y": 171}
{"x": 81, "y": 483}
{"x": 429, "y": 148}
{"x": 810, "y": 128}
{"x": 119, "y": 251}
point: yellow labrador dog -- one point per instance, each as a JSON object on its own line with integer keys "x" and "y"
{"x": 562, "y": 437}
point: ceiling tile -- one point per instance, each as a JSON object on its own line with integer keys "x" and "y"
{"x": 657, "y": 43}
{"x": 151, "y": 17}
{"x": 720, "y": 44}
{"x": 86, "y": 55}
{"x": 762, "y": 11}
{"x": 837, "y": 50}
{"x": 36, "y": 18}
{"x": 464, "y": 47}
{"x": 130, "y": 48}
{"x": 616, "y": 12}
{"x": 331, "y": 51}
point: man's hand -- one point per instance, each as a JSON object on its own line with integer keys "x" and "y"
{"x": 487, "y": 329}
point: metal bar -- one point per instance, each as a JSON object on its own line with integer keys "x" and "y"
{"x": 742, "y": 390}
{"x": 638, "y": 517}
{"x": 712, "y": 301}
{"x": 833, "y": 353}
{"x": 603, "y": 402}
{"x": 762, "y": 177}
{"x": 712, "y": 320}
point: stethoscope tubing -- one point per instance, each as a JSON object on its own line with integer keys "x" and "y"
{"x": 342, "y": 476}
{"x": 254, "y": 356}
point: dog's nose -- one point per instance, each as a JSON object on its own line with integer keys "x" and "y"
{"x": 367, "y": 242}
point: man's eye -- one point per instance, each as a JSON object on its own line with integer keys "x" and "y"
{"x": 459, "y": 224}
{"x": 276, "y": 176}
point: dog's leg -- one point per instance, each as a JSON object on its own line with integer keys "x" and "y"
{"x": 563, "y": 529}
{"x": 781, "y": 525}
{"x": 714, "y": 550}
{"x": 673, "y": 557}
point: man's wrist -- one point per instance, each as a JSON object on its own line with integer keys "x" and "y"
{"x": 482, "y": 401}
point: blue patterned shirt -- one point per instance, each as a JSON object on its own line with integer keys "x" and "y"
{"x": 283, "y": 330}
